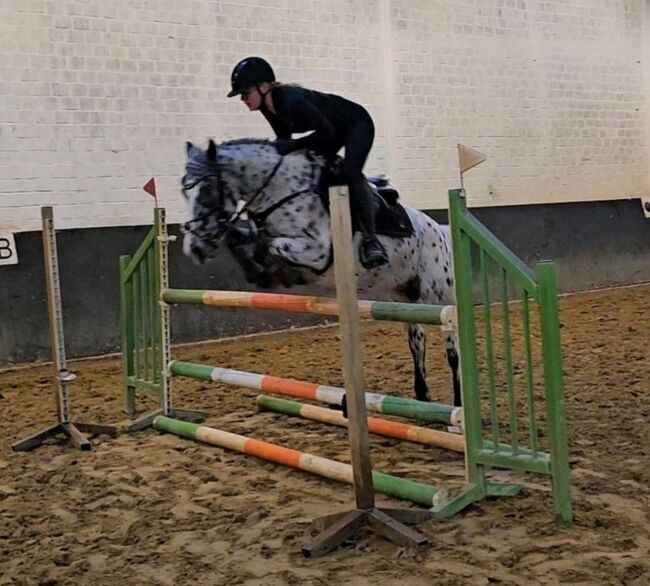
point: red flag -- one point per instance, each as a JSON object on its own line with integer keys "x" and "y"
{"x": 150, "y": 188}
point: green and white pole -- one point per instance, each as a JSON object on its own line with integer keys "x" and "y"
{"x": 422, "y": 411}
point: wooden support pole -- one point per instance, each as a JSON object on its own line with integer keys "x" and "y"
{"x": 61, "y": 377}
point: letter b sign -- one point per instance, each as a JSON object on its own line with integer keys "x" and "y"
{"x": 8, "y": 253}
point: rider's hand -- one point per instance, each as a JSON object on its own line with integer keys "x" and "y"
{"x": 284, "y": 146}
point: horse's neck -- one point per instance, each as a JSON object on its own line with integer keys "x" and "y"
{"x": 248, "y": 172}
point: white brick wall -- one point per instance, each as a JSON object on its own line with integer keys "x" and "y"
{"x": 97, "y": 96}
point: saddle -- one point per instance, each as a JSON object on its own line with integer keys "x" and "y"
{"x": 390, "y": 217}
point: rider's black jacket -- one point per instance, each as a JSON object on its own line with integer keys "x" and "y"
{"x": 328, "y": 116}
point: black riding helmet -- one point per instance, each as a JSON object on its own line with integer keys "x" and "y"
{"x": 250, "y": 72}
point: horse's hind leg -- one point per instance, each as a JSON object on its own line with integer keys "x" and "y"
{"x": 417, "y": 344}
{"x": 452, "y": 360}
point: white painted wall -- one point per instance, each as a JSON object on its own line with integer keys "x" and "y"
{"x": 98, "y": 96}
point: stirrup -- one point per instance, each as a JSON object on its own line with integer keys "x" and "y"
{"x": 372, "y": 253}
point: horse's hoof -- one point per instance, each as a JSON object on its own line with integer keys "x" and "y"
{"x": 300, "y": 279}
{"x": 261, "y": 254}
{"x": 282, "y": 277}
{"x": 291, "y": 277}
{"x": 264, "y": 280}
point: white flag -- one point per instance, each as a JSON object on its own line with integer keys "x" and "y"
{"x": 468, "y": 158}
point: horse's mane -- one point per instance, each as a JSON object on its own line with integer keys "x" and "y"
{"x": 245, "y": 141}
{"x": 198, "y": 163}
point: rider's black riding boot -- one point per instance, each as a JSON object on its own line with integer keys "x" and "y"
{"x": 371, "y": 252}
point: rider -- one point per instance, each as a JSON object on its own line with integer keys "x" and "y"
{"x": 334, "y": 123}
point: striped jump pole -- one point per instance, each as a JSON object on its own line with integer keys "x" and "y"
{"x": 377, "y": 310}
{"x": 394, "y": 429}
{"x": 409, "y": 408}
{"x": 401, "y": 488}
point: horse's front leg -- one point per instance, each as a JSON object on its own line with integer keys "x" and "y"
{"x": 286, "y": 274}
{"x": 253, "y": 271}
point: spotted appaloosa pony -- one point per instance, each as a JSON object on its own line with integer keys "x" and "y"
{"x": 271, "y": 212}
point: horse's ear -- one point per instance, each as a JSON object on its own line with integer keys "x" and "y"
{"x": 212, "y": 151}
{"x": 188, "y": 147}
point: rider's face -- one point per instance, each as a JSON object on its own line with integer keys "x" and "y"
{"x": 252, "y": 98}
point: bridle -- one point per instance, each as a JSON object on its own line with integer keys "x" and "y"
{"x": 187, "y": 227}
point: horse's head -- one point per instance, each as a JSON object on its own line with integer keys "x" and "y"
{"x": 211, "y": 202}
{"x": 221, "y": 179}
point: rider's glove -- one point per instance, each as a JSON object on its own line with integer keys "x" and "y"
{"x": 285, "y": 146}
